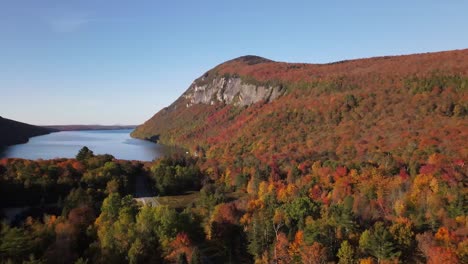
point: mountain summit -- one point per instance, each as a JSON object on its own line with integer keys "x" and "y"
{"x": 216, "y": 86}
{"x": 249, "y": 60}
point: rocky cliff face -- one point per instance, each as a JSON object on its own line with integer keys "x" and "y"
{"x": 229, "y": 90}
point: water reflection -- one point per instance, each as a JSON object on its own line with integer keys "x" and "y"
{"x": 66, "y": 144}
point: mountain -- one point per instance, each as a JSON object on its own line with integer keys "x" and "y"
{"x": 383, "y": 110}
{"x": 14, "y": 132}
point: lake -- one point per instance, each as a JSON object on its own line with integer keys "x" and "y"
{"x": 66, "y": 144}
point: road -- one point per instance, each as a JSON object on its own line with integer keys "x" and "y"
{"x": 144, "y": 192}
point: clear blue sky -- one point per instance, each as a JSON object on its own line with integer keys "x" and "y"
{"x": 119, "y": 62}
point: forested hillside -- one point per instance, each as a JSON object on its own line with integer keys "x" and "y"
{"x": 352, "y": 110}
{"x": 353, "y": 160}
{"x": 14, "y": 132}
{"x": 392, "y": 112}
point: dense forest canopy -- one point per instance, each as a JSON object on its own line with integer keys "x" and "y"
{"x": 359, "y": 161}
{"x": 402, "y": 107}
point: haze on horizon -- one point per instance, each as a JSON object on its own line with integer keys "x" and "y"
{"x": 102, "y": 62}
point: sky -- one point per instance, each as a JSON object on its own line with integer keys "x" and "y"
{"x": 119, "y": 62}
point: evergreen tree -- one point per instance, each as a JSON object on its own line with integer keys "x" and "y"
{"x": 84, "y": 153}
{"x": 14, "y": 242}
{"x": 378, "y": 242}
{"x": 346, "y": 253}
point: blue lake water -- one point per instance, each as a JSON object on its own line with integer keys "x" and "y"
{"x": 66, "y": 144}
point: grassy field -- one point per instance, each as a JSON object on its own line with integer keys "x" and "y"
{"x": 179, "y": 201}
{"x": 182, "y": 201}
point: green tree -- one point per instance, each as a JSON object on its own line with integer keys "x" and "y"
{"x": 175, "y": 176}
{"x": 84, "y": 154}
{"x": 261, "y": 234}
{"x": 403, "y": 236}
{"x": 135, "y": 254}
{"x": 110, "y": 208}
{"x": 161, "y": 223}
{"x": 14, "y": 242}
{"x": 116, "y": 226}
{"x": 299, "y": 209}
{"x": 346, "y": 253}
{"x": 146, "y": 247}
{"x": 378, "y": 242}
{"x": 76, "y": 198}
{"x": 341, "y": 218}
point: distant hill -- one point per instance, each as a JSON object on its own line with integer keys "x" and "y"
{"x": 396, "y": 108}
{"x": 14, "y": 132}
{"x": 89, "y": 127}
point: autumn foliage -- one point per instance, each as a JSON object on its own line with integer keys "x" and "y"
{"x": 359, "y": 161}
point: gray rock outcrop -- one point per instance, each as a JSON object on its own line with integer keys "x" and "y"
{"x": 230, "y": 91}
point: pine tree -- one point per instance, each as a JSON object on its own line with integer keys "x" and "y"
{"x": 84, "y": 153}
{"x": 378, "y": 242}
{"x": 346, "y": 253}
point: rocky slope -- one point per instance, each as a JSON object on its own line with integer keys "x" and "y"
{"x": 14, "y": 132}
{"x": 230, "y": 91}
{"x": 212, "y": 89}
{"x": 404, "y": 106}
